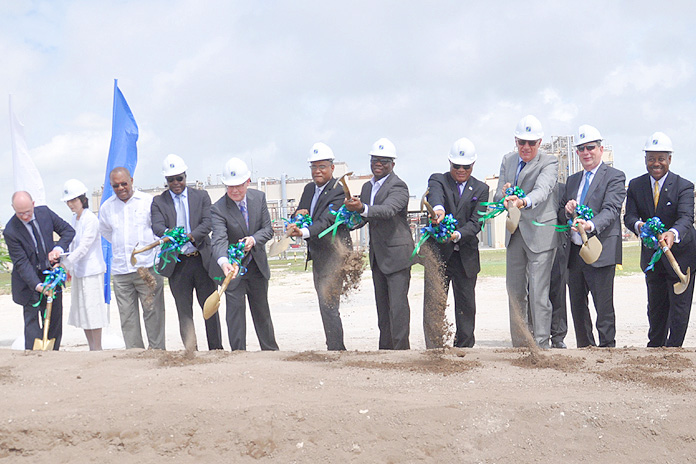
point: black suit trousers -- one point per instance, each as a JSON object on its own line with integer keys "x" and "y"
{"x": 326, "y": 272}
{"x": 668, "y": 313}
{"x": 393, "y": 311}
{"x": 190, "y": 274}
{"x": 32, "y": 317}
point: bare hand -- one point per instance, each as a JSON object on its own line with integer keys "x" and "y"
{"x": 505, "y": 187}
{"x": 513, "y": 200}
{"x": 581, "y": 223}
{"x": 249, "y": 243}
{"x": 439, "y": 216}
{"x": 354, "y": 204}
{"x": 54, "y": 256}
{"x": 227, "y": 268}
{"x": 293, "y": 230}
{"x": 570, "y": 207}
{"x": 669, "y": 238}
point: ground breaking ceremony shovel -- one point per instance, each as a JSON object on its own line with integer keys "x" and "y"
{"x": 426, "y": 205}
{"x": 280, "y": 246}
{"x": 513, "y": 218}
{"x": 46, "y": 344}
{"x": 212, "y": 303}
{"x": 344, "y": 184}
{"x": 149, "y": 247}
{"x": 591, "y": 248}
{"x": 683, "y": 283}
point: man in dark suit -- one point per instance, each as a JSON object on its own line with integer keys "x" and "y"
{"x": 383, "y": 203}
{"x": 317, "y": 200}
{"x": 602, "y": 188}
{"x": 670, "y": 197}
{"x": 241, "y": 215}
{"x": 182, "y": 206}
{"x": 29, "y": 239}
{"x": 558, "y": 285}
{"x": 458, "y": 193}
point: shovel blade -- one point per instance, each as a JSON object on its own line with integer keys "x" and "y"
{"x": 43, "y": 345}
{"x": 590, "y": 250}
{"x": 513, "y": 219}
{"x": 279, "y": 246}
{"x": 212, "y": 303}
{"x": 681, "y": 286}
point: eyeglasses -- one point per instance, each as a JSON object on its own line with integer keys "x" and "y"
{"x": 174, "y": 178}
{"x": 319, "y": 167}
{"x": 382, "y": 161}
{"x": 466, "y": 167}
{"x": 122, "y": 185}
{"x": 586, "y": 147}
{"x": 522, "y": 143}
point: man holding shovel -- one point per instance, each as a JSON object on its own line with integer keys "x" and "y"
{"x": 29, "y": 239}
{"x": 327, "y": 255}
{"x": 601, "y": 188}
{"x": 664, "y": 194}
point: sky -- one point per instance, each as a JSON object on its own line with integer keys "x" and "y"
{"x": 264, "y": 80}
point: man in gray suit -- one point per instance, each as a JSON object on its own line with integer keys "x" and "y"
{"x": 603, "y": 189}
{"x": 241, "y": 215}
{"x": 530, "y": 249}
{"x": 383, "y": 202}
{"x": 182, "y": 206}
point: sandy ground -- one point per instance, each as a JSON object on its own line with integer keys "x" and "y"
{"x": 491, "y": 404}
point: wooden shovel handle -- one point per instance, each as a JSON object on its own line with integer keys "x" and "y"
{"x": 672, "y": 260}
{"x": 228, "y": 279}
{"x": 152, "y": 245}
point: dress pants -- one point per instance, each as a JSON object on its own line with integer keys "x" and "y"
{"x": 190, "y": 274}
{"x": 325, "y": 271}
{"x": 33, "y": 321}
{"x": 557, "y": 296}
{"x": 584, "y": 279}
{"x": 393, "y": 311}
{"x": 254, "y": 286}
{"x": 128, "y": 289}
{"x": 668, "y": 313}
{"x": 527, "y": 281}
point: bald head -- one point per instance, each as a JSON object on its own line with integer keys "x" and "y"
{"x": 23, "y": 205}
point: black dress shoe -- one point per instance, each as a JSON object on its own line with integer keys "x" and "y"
{"x": 559, "y": 345}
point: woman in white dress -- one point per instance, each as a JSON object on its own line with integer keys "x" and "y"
{"x": 85, "y": 263}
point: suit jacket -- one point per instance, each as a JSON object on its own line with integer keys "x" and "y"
{"x": 675, "y": 208}
{"x": 229, "y": 227}
{"x": 163, "y": 214}
{"x": 331, "y": 198}
{"x": 391, "y": 242}
{"x": 443, "y": 190}
{"x": 27, "y": 267}
{"x": 537, "y": 179}
{"x": 605, "y": 196}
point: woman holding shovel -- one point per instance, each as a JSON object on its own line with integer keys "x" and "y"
{"x": 86, "y": 265}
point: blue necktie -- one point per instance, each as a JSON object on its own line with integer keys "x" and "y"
{"x": 519, "y": 169}
{"x": 245, "y": 213}
{"x": 586, "y": 187}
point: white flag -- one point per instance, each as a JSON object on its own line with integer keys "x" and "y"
{"x": 26, "y": 176}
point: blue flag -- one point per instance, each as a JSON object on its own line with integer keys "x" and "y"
{"x": 123, "y": 152}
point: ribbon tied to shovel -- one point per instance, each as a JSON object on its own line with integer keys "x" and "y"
{"x": 498, "y": 207}
{"x": 170, "y": 248}
{"x": 351, "y": 219}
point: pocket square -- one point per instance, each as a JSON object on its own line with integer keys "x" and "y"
{"x": 669, "y": 203}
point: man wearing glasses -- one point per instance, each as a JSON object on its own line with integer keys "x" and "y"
{"x": 124, "y": 220}
{"x": 530, "y": 249}
{"x": 603, "y": 189}
{"x": 182, "y": 206}
{"x": 383, "y": 202}
{"x": 458, "y": 193}
{"x": 318, "y": 199}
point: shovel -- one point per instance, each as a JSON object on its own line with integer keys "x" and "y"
{"x": 280, "y": 246}
{"x": 212, "y": 303}
{"x": 683, "y": 283}
{"x": 344, "y": 184}
{"x": 149, "y": 247}
{"x": 591, "y": 248}
{"x": 513, "y": 218}
{"x": 425, "y": 205}
{"x": 45, "y": 344}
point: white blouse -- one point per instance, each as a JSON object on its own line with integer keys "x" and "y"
{"x": 86, "y": 257}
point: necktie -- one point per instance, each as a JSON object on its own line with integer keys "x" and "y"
{"x": 460, "y": 187}
{"x": 588, "y": 176}
{"x": 40, "y": 247}
{"x": 245, "y": 213}
{"x": 519, "y": 169}
{"x": 315, "y": 198}
{"x": 656, "y": 193}
{"x": 180, "y": 212}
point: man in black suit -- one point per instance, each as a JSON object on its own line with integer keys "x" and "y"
{"x": 458, "y": 193}
{"x": 602, "y": 188}
{"x": 317, "y": 200}
{"x": 29, "y": 239}
{"x": 182, "y": 206}
{"x": 241, "y": 215}
{"x": 559, "y": 284}
{"x": 670, "y": 197}
{"x": 383, "y": 203}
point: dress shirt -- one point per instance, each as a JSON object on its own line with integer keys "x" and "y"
{"x": 125, "y": 225}
{"x": 376, "y": 185}
{"x": 183, "y": 198}
{"x": 660, "y": 183}
{"x": 575, "y": 236}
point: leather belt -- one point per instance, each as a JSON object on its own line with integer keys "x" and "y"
{"x": 191, "y": 255}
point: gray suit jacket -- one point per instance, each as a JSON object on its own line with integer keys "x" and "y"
{"x": 391, "y": 243}
{"x": 537, "y": 179}
{"x": 605, "y": 196}
{"x": 163, "y": 214}
{"x": 229, "y": 227}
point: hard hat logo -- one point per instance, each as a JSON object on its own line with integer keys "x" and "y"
{"x": 232, "y": 173}
{"x": 381, "y": 147}
{"x": 582, "y": 136}
{"x": 528, "y": 129}
{"x": 65, "y": 191}
{"x": 171, "y": 165}
{"x": 655, "y": 142}
{"x": 316, "y": 151}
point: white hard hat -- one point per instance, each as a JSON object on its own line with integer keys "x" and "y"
{"x": 463, "y": 151}
{"x": 173, "y": 165}
{"x": 236, "y": 172}
{"x": 320, "y": 151}
{"x": 72, "y": 189}
{"x": 659, "y": 142}
{"x": 383, "y": 147}
{"x": 529, "y": 128}
{"x": 587, "y": 134}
